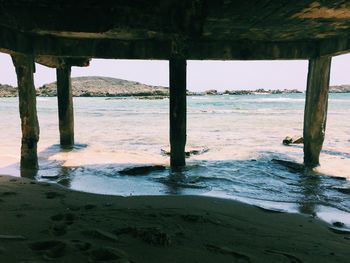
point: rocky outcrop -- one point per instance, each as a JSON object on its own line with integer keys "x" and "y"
{"x": 112, "y": 87}
{"x": 293, "y": 140}
{"x": 211, "y": 92}
{"x": 141, "y": 170}
{"x": 105, "y": 87}
{"x": 7, "y": 91}
{"x": 238, "y": 92}
{"x": 189, "y": 151}
{"x": 260, "y": 91}
{"x": 339, "y": 89}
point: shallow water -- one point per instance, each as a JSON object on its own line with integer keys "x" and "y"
{"x": 243, "y": 134}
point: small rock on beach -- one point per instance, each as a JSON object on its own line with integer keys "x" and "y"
{"x": 293, "y": 140}
{"x": 141, "y": 170}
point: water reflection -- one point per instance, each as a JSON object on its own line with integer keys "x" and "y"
{"x": 310, "y": 184}
{"x": 174, "y": 182}
{"x": 52, "y": 169}
{"x": 29, "y": 173}
{"x": 66, "y": 176}
{"x": 57, "y": 148}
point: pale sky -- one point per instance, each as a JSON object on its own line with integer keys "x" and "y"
{"x": 201, "y": 75}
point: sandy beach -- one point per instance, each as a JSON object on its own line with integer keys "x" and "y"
{"x": 44, "y": 222}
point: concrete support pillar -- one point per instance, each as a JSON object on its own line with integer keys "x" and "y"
{"x": 178, "y": 112}
{"x": 315, "y": 115}
{"x": 65, "y": 106}
{"x": 25, "y": 68}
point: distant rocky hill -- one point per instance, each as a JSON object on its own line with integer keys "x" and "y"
{"x": 105, "y": 87}
{"x": 111, "y": 87}
{"x": 340, "y": 89}
{"x": 7, "y": 91}
{"x": 247, "y": 92}
{"x": 332, "y": 89}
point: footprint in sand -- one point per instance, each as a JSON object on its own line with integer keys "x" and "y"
{"x": 89, "y": 206}
{"x": 108, "y": 254}
{"x": 20, "y": 215}
{"x": 50, "y": 248}
{"x": 2, "y": 250}
{"x": 73, "y": 208}
{"x": 150, "y": 235}
{"x": 291, "y": 258}
{"x": 100, "y": 234}
{"x": 52, "y": 195}
{"x": 8, "y": 193}
{"x": 57, "y": 217}
{"x": 228, "y": 251}
{"x": 81, "y": 245}
{"x": 192, "y": 218}
{"x": 69, "y": 218}
{"x": 59, "y": 229}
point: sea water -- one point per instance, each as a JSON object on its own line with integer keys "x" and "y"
{"x": 242, "y": 134}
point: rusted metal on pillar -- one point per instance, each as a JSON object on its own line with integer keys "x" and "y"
{"x": 25, "y": 68}
{"x": 65, "y": 106}
{"x": 316, "y": 104}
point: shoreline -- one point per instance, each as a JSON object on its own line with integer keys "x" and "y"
{"x": 158, "y": 97}
{"x": 42, "y": 221}
{"x": 108, "y": 87}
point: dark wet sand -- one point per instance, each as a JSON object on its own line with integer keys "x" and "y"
{"x": 40, "y": 222}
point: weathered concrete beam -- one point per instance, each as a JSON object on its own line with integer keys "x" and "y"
{"x": 59, "y": 62}
{"x": 334, "y": 46}
{"x": 76, "y": 62}
{"x": 27, "y": 107}
{"x": 37, "y": 45}
{"x": 315, "y": 115}
{"x": 177, "y": 70}
{"x": 198, "y": 49}
{"x": 65, "y": 106}
{"x": 251, "y": 50}
{"x": 50, "y": 61}
{"x": 12, "y": 40}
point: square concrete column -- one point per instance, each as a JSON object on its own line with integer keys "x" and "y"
{"x": 315, "y": 115}
{"x": 65, "y": 106}
{"x": 178, "y": 112}
{"x": 27, "y": 107}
